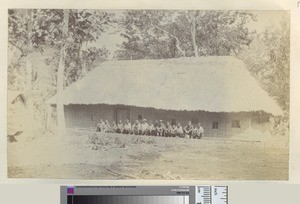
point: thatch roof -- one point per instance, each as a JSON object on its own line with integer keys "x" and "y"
{"x": 215, "y": 84}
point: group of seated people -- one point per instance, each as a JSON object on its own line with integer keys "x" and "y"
{"x": 152, "y": 129}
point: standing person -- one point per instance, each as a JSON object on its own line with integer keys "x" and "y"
{"x": 179, "y": 130}
{"x": 198, "y": 131}
{"x": 140, "y": 128}
{"x": 145, "y": 127}
{"x": 120, "y": 127}
{"x": 127, "y": 127}
{"x": 168, "y": 130}
{"x": 156, "y": 128}
{"x": 161, "y": 128}
{"x": 188, "y": 129}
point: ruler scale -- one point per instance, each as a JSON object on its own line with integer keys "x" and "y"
{"x": 211, "y": 194}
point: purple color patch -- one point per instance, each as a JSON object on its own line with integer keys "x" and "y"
{"x": 70, "y": 190}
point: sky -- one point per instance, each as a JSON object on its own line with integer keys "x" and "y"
{"x": 264, "y": 19}
{"x": 267, "y": 18}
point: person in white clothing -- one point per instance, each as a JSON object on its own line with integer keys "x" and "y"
{"x": 145, "y": 127}
{"x": 127, "y": 127}
{"x": 198, "y": 131}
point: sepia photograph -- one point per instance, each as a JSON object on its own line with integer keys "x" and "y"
{"x": 148, "y": 94}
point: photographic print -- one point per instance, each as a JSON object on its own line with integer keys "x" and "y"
{"x": 148, "y": 94}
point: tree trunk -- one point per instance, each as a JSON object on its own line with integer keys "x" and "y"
{"x": 182, "y": 52}
{"x": 82, "y": 61}
{"x": 28, "y": 64}
{"x": 60, "y": 75}
{"x": 193, "y": 34}
{"x": 48, "y": 117}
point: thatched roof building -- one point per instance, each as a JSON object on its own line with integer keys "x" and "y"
{"x": 215, "y": 84}
{"x": 209, "y": 84}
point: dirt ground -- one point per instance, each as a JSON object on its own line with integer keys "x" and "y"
{"x": 84, "y": 154}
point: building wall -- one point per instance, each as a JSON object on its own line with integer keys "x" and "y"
{"x": 87, "y": 116}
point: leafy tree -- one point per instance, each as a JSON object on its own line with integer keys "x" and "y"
{"x": 168, "y": 34}
{"x": 34, "y": 33}
{"x": 86, "y": 26}
{"x": 267, "y": 58}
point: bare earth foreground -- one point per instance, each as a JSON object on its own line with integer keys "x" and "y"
{"x": 83, "y": 154}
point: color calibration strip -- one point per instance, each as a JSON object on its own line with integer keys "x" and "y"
{"x": 122, "y": 199}
{"x": 211, "y": 194}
